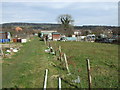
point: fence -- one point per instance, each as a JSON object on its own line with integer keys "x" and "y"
{"x": 63, "y": 58}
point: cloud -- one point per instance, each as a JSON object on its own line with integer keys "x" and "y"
{"x": 54, "y": 5}
{"x": 104, "y": 20}
{"x": 82, "y": 12}
{"x": 60, "y": 0}
{"x": 96, "y": 5}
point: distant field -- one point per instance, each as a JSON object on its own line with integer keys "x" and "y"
{"x": 103, "y": 61}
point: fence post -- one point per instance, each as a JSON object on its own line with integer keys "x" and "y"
{"x": 89, "y": 75}
{"x": 45, "y": 41}
{"x": 59, "y": 83}
{"x": 59, "y": 52}
{"x": 45, "y": 81}
{"x": 55, "y": 49}
{"x": 2, "y": 52}
{"x": 66, "y": 63}
{"x": 49, "y": 44}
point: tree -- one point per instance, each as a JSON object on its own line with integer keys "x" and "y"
{"x": 66, "y": 22}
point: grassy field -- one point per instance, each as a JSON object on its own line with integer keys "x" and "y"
{"x": 103, "y": 61}
{"x": 26, "y": 68}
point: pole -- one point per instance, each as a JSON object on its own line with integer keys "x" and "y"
{"x": 89, "y": 75}
{"x": 59, "y": 83}
{"x": 45, "y": 81}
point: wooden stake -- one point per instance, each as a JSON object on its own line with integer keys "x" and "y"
{"x": 2, "y": 52}
{"x": 49, "y": 44}
{"x": 45, "y": 41}
{"x": 66, "y": 63}
{"x": 59, "y": 83}
{"x": 60, "y": 49}
{"x": 89, "y": 75}
{"x": 45, "y": 81}
{"x": 55, "y": 49}
{"x": 60, "y": 55}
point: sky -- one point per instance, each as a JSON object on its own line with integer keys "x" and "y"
{"x": 83, "y": 13}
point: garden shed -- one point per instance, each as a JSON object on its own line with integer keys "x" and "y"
{"x": 56, "y": 36}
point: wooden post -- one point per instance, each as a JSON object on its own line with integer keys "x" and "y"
{"x": 66, "y": 63}
{"x": 49, "y": 44}
{"x": 9, "y": 45}
{"x": 60, "y": 48}
{"x": 59, "y": 83}
{"x": 60, "y": 52}
{"x": 45, "y": 41}
{"x": 45, "y": 81}
{"x": 89, "y": 75}
{"x": 2, "y": 52}
{"x": 55, "y": 49}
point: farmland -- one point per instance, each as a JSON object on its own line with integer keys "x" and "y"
{"x": 27, "y": 67}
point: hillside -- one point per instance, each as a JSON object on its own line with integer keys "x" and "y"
{"x": 52, "y": 26}
{"x": 36, "y": 27}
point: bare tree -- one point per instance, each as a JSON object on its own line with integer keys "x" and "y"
{"x": 66, "y": 22}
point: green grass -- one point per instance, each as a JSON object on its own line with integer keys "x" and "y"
{"x": 103, "y": 61}
{"x": 26, "y": 68}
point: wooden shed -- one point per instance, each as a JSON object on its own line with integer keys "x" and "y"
{"x": 3, "y": 35}
{"x": 56, "y": 36}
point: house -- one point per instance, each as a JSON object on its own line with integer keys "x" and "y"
{"x": 46, "y": 32}
{"x": 91, "y": 37}
{"x": 18, "y": 29}
{"x": 81, "y": 38}
{"x": 3, "y": 35}
{"x": 77, "y": 32}
{"x": 56, "y": 36}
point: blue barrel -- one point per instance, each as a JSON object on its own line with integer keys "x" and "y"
{"x": 7, "y": 40}
{"x": 4, "y": 40}
{"x": 0, "y": 40}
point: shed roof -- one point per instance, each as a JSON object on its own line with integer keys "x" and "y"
{"x": 55, "y": 33}
{"x": 2, "y": 32}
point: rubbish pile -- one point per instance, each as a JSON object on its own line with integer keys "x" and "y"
{"x": 76, "y": 80}
{"x": 10, "y": 51}
{"x": 50, "y": 50}
{"x": 19, "y": 40}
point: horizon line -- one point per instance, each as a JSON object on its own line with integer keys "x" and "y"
{"x": 58, "y": 23}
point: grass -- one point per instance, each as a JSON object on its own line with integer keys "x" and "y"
{"x": 26, "y": 68}
{"x": 103, "y": 61}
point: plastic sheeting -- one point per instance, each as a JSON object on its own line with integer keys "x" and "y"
{"x": 4, "y": 40}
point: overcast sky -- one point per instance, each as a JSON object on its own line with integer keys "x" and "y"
{"x": 83, "y": 13}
